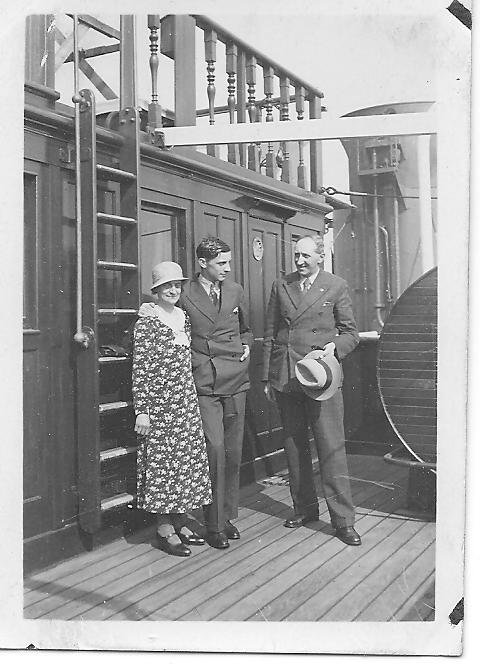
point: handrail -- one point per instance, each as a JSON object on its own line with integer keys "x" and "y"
{"x": 226, "y": 36}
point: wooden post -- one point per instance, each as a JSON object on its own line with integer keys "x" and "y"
{"x": 40, "y": 50}
{"x": 315, "y": 110}
{"x": 177, "y": 41}
{"x": 128, "y": 78}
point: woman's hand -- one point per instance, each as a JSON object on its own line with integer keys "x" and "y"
{"x": 142, "y": 424}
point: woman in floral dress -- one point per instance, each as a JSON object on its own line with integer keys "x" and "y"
{"x": 172, "y": 463}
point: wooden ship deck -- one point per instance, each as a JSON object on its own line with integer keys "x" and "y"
{"x": 270, "y": 574}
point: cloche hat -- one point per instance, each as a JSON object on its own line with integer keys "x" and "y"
{"x": 319, "y": 374}
{"x": 166, "y": 271}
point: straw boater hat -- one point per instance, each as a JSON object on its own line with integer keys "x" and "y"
{"x": 166, "y": 271}
{"x": 319, "y": 374}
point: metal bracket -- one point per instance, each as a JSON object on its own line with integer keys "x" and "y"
{"x": 66, "y": 154}
{"x": 157, "y": 138}
{"x": 85, "y": 338}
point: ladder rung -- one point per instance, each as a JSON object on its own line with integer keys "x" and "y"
{"x": 117, "y": 311}
{"x": 115, "y": 219}
{"x": 112, "y": 453}
{"x": 108, "y": 360}
{"x": 116, "y": 266}
{"x": 116, "y": 501}
{"x": 113, "y": 406}
{"x": 115, "y": 173}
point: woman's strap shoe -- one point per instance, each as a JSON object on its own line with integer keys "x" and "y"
{"x": 192, "y": 539}
{"x": 173, "y": 549}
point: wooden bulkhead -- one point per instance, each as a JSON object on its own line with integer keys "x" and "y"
{"x": 79, "y": 447}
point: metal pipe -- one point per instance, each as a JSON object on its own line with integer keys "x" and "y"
{"x": 379, "y": 306}
{"x": 79, "y": 336}
{"x": 388, "y": 287}
{"x": 396, "y": 249}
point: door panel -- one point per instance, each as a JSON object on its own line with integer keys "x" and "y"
{"x": 263, "y": 416}
{"x": 211, "y": 220}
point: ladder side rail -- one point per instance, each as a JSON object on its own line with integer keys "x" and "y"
{"x": 87, "y": 358}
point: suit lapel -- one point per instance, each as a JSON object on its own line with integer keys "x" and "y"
{"x": 227, "y": 299}
{"x": 200, "y": 299}
{"x": 316, "y": 292}
{"x": 293, "y": 290}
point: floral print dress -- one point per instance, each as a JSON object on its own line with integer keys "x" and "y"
{"x": 172, "y": 463}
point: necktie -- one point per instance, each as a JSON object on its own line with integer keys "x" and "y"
{"x": 306, "y": 285}
{"x": 213, "y": 296}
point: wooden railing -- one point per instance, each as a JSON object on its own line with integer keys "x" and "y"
{"x": 235, "y": 96}
{"x": 245, "y": 66}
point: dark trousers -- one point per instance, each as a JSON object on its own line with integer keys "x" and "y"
{"x": 223, "y": 422}
{"x": 325, "y": 418}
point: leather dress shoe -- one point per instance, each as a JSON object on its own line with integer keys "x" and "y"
{"x": 348, "y": 535}
{"x": 231, "y": 531}
{"x": 173, "y": 549}
{"x": 192, "y": 539}
{"x": 299, "y": 519}
{"x": 217, "y": 540}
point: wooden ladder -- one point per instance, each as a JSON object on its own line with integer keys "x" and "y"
{"x": 106, "y": 440}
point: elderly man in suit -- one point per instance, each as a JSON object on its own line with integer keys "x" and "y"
{"x": 221, "y": 340}
{"x": 310, "y": 309}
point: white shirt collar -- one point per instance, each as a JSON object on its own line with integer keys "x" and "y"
{"x": 207, "y": 284}
{"x": 311, "y": 279}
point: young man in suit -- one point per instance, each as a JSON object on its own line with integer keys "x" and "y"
{"x": 310, "y": 309}
{"x": 221, "y": 341}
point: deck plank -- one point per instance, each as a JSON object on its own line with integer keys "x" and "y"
{"x": 388, "y": 569}
{"x": 246, "y": 596}
{"x": 138, "y": 568}
{"x": 405, "y": 590}
{"x": 190, "y": 588}
{"x": 269, "y": 574}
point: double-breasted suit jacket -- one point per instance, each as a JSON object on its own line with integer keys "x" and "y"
{"x": 218, "y": 337}
{"x": 296, "y": 324}
{"x": 221, "y": 379}
{"x": 300, "y": 322}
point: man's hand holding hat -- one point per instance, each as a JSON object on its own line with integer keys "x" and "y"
{"x": 329, "y": 348}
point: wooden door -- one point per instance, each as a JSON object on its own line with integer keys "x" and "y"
{"x": 212, "y": 220}
{"x": 157, "y": 243}
{"x": 265, "y": 264}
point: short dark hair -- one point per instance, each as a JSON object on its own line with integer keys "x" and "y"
{"x": 210, "y": 247}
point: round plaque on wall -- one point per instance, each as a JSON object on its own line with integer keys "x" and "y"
{"x": 257, "y": 248}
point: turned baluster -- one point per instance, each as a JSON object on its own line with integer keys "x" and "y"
{"x": 231, "y": 68}
{"x": 241, "y": 100}
{"x": 268, "y": 75}
{"x": 210, "y": 37}
{"x": 300, "y": 108}
{"x": 251, "y": 72}
{"x": 154, "y": 109}
{"x": 284, "y": 116}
